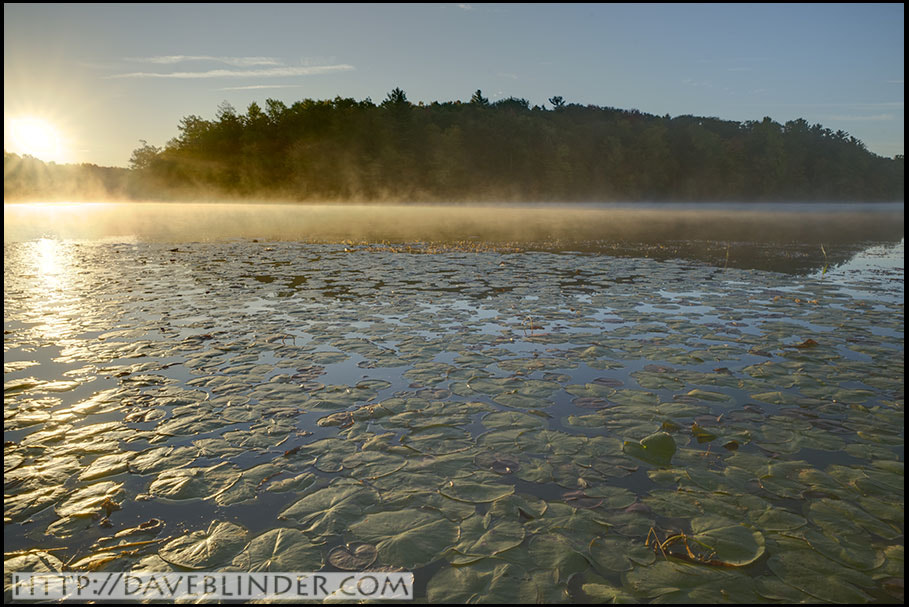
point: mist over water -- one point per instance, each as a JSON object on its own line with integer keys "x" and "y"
{"x": 564, "y": 224}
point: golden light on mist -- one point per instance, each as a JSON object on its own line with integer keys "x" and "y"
{"x": 37, "y": 137}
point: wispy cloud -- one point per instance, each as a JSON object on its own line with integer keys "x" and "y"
{"x": 732, "y": 60}
{"x": 466, "y": 7}
{"x": 873, "y": 118}
{"x": 507, "y": 75}
{"x": 854, "y": 106}
{"x": 740, "y": 69}
{"x": 275, "y": 72}
{"x": 691, "y": 82}
{"x": 234, "y": 61}
{"x": 894, "y": 82}
{"x": 260, "y": 86}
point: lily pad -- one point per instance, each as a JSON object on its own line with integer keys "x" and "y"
{"x": 279, "y": 550}
{"x": 730, "y": 543}
{"x": 330, "y": 510}
{"x": 656, "y": 449}
{"x": 476, "y": 489}
{"x": 89, "y": 500}
{"x": 205, "y": 549}
{"x": 483, "y": 537}
{"x": 353, "y": 557}
{"x": 407, "y": 538}
{"x": 616, "y": 553}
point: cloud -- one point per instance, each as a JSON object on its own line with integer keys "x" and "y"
{"x": 466, "y": 7}
{"x": 260, "y": 86}
{"x": 507, "y": 75}
{"x": 873, "y": 118}
{"x": 690, "y": 82}
{"x": 854, "y": 106}
{"x": 275, "y": 72}
{"x": 234, "y": 61}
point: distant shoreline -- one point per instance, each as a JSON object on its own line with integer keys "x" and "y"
{"x": 344, "y": 150}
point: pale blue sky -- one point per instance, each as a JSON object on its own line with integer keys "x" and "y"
{"x": 109, "y": 75}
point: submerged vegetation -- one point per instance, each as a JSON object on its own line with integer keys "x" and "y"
{"x": 343, "y": 149}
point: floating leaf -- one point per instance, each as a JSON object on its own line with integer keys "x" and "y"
{"x": 616, "y": 553}
{"x": 555, "y": 553}
{"x": 471, "y": 491}
{"x": 353, "y": 557}
{"x": 484, "y": 537}
{"x": 89, "y": 500}
{"x": 656, "y": 449}
{"x": 205, "y": 549}
{"x": 407, "y": 538}
{"x": 279, "y": 550}
{"x": 107, "y": 465}
{"x": 673, "y": 581}
{"x": 818, "y": 576}
{"x": 194, "y": 483}
{"x": 330, "y": 510}
{"x": 731, "y": 543}
{"x": 493, "y": 581}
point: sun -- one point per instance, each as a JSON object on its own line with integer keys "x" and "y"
{"x": 36, "y": 137}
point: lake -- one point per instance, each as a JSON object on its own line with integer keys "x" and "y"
{"x": 670, "y": 403}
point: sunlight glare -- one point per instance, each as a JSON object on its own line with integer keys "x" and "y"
{"x": 37, "y": 137}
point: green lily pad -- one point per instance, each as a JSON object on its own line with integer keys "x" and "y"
{"x": 673, "y": 581}
{"x": 616, "y": 553}
{"x": 607, "y": 593}
{"x": 89, "y": 500}
{"x": 330, "y": 510}
{"x": 476, "y": 489}
{"x": 656, "y": 449}
{"x": 494, "y": 581}
{"x": 729, "y": 542}
{"x": 205, "y": 549}
{"x": 247, "y": 486}
{"x": 838, "y": 517}
{"x": 483, "y": 537}
{"x": 407, "y": 538}
{"x": 279, "y": 550}
{"x": 776, "y": 519}
{"x": 152, "y": 461}
{"x": 555, "y": 553}
{"x": 517, "y": 507}
{"x": 296, "y": 483}
{"x": 19, "y": 507}
{"x": 353, "y": 557}
{"x": 194, "y": 483}
{"x": 107, "y": 465}
{"x": 818, "y": 576}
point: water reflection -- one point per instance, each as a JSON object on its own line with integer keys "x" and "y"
{"x": 47, "y": 282}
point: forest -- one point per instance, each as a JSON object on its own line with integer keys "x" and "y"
{"x": 482, "y": 151}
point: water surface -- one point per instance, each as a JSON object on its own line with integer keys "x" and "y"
{"x": 488, "y": 403}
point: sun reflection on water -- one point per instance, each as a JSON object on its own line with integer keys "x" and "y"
{"x": 53, "y": 304}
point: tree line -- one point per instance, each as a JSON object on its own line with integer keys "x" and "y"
{"x": 343, "y": 149}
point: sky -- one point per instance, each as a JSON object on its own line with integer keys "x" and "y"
{"x": 87, "y": 82}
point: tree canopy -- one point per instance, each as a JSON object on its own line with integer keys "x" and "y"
{"x": 506, "y": 150}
